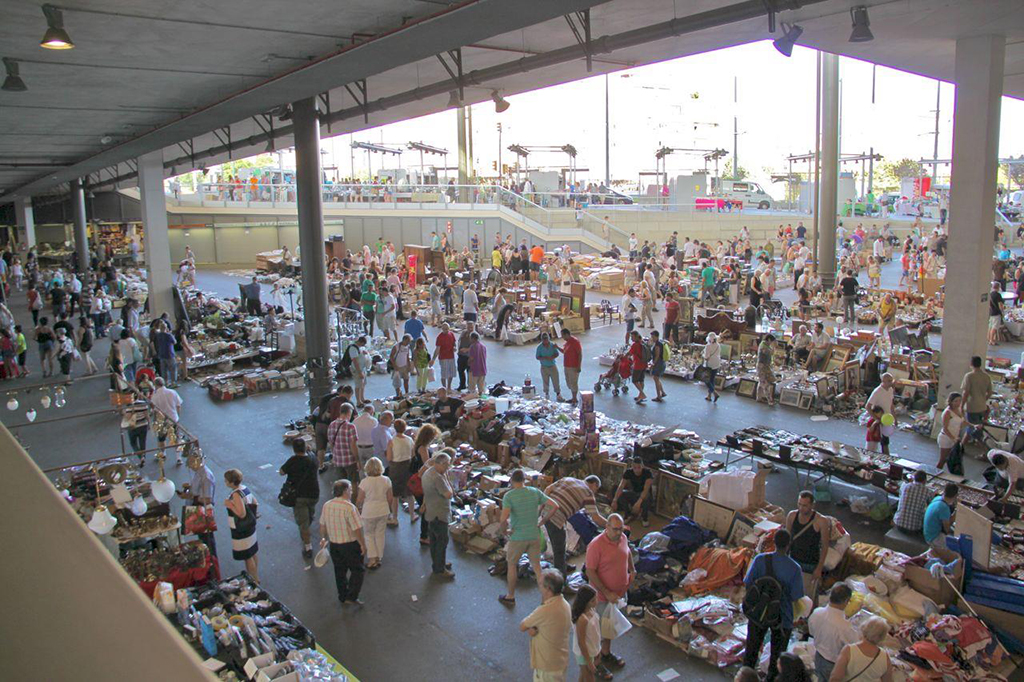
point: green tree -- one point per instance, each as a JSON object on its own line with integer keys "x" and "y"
{"x": 893, "y": 172}
{"x": 728, "y": 174}
{"x": 1015, "y": 174}
{"x": 260, "y": 161}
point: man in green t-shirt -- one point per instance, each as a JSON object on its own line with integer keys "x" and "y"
{"x": 369, "y": 301}
{"x": 707, "y": 276}
{"x": 521, "y": 505}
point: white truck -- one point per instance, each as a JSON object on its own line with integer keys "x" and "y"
{"x": 751, "y": 194}
{"x": 708, "y": 193}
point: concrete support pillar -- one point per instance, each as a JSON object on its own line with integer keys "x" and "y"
{"x": 81, "y": 236}
{"x": 26, "y": 222}
{"x": 311, "y": 248}
{"x": 463, "y": 156}
{"x": 979, "y": 87}
{"x": 828, "y": 187}
{"x": 153, "y": 203}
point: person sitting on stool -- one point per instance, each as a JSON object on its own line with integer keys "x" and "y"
{"x": 633, "y": 496}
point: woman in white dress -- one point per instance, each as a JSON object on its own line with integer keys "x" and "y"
{"x": 952, "y": 426}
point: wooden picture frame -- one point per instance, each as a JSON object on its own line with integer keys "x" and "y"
{"x": 685, "y": 310}
{"x": 741, "y": 527}
{"x": 833, "y": 365}
{"x": 671, "y": 493}
{"x": 842, "y": 353}
{"x": 840, "y": 383}
{"x": 719, "y": 382}
{"x": 790, "y": 397}
{"x": 851, "y": 373}
{"x": 824, "y": 388}
{"x": 806, "y": 401}
{"x": 610, "y": 472}
{"x": 715, "y": 517}
{"x": 747, "y": 388}
{"x": 725, "y": 350}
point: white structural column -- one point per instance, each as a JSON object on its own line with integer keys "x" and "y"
{"x": 979, "y": 87}
{"x": 463, "y": 156}
{"x": 154, "y": 227}
{"x": 828, "y": 186}
{"x": 81, "y": 234}
{"x": 26, "y": 221}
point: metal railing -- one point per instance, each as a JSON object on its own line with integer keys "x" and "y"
{"x": 375, "y": 196}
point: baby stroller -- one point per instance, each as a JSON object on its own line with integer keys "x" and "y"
{"x": 617, "y": 377}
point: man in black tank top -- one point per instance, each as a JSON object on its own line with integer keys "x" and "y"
{"x": 810, "y": 533}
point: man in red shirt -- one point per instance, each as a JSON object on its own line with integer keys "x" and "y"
{"x": 572, "y": 359}
{"x": 636, "y": 351}
{"x": 671, "y": 329}
{"x": 611, "y": 571}
{"x": 444, "y": 350}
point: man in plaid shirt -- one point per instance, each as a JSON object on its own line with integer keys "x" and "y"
{"x": 341, "y": 441}
{"x": 914, "y": 498}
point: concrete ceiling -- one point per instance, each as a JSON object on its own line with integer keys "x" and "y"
{"x": 163, "y": 76}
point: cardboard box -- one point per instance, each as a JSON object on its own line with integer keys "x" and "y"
{"x": 653, "y": 621}
{"x": 460, "y": 534}
{"x": 586, "y": 401}
{"x": 592, "y": 443}
{"x": 530, "y": 435}
{"x": 480, "y": 545}
{"x": 489, "y": 512}
{"x": 588, "y": 422}
{"x": 938, "y": 590}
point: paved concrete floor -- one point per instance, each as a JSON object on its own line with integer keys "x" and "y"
{"x": 449, "y": 629}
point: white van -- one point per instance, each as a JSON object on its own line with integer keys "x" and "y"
{"x": 750, "y": 193}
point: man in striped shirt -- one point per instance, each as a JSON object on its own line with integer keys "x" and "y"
{"x": 566, "y": 497}
{"x": 342, "y": 442}
{"x": 342, "y": 530}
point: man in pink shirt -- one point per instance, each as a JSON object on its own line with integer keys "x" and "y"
{"x": 610, "y": 570}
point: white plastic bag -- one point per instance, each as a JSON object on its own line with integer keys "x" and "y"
{"x": 613, "y": 623}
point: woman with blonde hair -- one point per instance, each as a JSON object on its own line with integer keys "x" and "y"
{"x": 374, "y": 502}
{"x": 866, "y": 660}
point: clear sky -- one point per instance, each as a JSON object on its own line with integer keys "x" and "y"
{"x": 689, "y": 103}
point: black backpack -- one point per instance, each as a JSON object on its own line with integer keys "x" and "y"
{"x": 762, "y": 605}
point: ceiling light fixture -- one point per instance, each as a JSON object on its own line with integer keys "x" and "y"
{"x": 500, "y": 103}
{"x": 861, "y": 32}
{"x": 13, "y": 82}
{"x": 55, "y": 38}
{"x": 787, "y": 40}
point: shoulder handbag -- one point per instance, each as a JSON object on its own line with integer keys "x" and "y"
{"x": 870, "y": 663}
{"x": 248, "y": 524}
{"x": 290, "y": 490}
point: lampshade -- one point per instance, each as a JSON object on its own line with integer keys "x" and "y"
{"x": 139, "y": 506}
{"x": 31, "y": 414}
{"x": 45, "y": 401}
{"x": 784, "y": 44}
{"x": 55, "y": 38}
{"x": 163, "y": 490}
{"x": 12, "y": 403}
{"x": 861, "y": 32}
{"x": 102, "y": 521}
